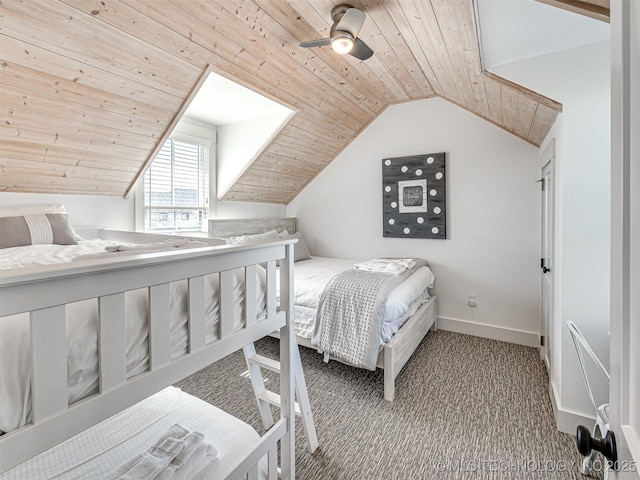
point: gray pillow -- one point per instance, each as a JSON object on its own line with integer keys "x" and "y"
{"x": 49, "y": 228}
{"x": 300, "y": 249}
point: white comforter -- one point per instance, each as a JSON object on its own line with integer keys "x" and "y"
{"x": 81, "y": 329}
{"x": 21, "y": 257}
{"x": 311, "y": 276}
{"x": 97, "y": 450}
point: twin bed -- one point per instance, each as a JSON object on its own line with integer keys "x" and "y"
{"x": 409, "y": 311}
{"x": 91, "y": 342}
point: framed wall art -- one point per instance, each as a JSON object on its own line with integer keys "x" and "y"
{"x": 414, "y": 196}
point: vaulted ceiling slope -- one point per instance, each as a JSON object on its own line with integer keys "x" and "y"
{"x": 90, "y": 88}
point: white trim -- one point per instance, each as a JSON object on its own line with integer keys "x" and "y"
{"x": 494, "y": 332}
{"x": 625, "y": 233}
{"x": 567, "y": 421}
{"x": 554, "y": 400}
{"x": 195, "y": 140}
{"x": 190, "y": 130}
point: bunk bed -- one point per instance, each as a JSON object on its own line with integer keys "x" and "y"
{"x": 99, "y": 429}
{"x": 401, "y": 333}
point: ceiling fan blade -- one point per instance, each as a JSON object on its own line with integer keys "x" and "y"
{"x": 316, "y": 43}
{"x": 351, "y": 22}
{"x": 361, "y": 50}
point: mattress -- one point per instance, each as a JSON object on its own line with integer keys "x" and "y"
{"x": 311, "y": 277}
{"x": 81, "y": 329}
{"x": 103, "y": 447}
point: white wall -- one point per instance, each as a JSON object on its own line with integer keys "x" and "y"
{"x": 240, "y": 142}
{"x": 115, "y": 213}
{"x": 493, "y": 214}
{"x": 580, "y": 79}
{"x": 513, "y": 30}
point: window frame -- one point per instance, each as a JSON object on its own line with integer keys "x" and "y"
{"x": 203, "y": 191}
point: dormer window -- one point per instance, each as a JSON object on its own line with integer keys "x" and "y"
{"x": 176, "y": 189}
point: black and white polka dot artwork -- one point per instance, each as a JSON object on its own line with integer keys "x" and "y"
{"x": 413, "y": 196}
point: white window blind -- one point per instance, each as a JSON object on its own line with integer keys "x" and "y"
{"x": 176, "y": 189}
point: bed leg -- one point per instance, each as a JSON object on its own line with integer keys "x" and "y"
{"x": 434, "y": 327}
{"x": 389, "y": 376}
{"x": 389, "y": 387}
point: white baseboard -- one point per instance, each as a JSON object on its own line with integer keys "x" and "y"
{"x": 520, "y": 337}
{"x": 567, "y": 421}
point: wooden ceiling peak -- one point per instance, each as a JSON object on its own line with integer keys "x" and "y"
{"x": 90, "y": 87}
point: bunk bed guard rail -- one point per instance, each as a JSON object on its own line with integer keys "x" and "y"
{"x": 43, "y": 293}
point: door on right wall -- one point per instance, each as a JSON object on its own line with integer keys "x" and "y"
{"x": 546, "y": 258}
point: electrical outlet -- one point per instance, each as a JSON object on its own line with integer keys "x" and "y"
{"x": 473, "y": 300}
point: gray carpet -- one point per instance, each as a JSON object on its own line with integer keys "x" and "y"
{"x": 465, "y": 408}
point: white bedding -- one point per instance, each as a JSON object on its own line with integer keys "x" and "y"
{"x": 94, "y": 452}
{"x": 81, "y": 325}
{"x": 311, "y": 277}
{"x": 46, "y": 254}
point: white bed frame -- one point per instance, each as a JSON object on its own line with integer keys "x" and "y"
{"x": 397, "y": 352}
{"x": 44, "y": 292}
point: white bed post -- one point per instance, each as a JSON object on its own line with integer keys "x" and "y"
{"x": 287, "y": 344}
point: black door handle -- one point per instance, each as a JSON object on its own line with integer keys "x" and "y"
{"x": 545, "y": 269}
{"x": 606, "y": 446}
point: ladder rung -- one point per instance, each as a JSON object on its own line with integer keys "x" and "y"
{"x": 266, "y": 397}
{"x": 274, "y": 399}
{"x": 268, "y": 363}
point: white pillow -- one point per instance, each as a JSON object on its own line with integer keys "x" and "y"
{"x": 21, "y": 210}
{"x": 258, "y": 237}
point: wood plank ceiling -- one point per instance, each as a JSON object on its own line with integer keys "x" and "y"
{"x": 89, "y": 88}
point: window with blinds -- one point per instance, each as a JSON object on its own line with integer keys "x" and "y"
{"x": 176, "y": 189}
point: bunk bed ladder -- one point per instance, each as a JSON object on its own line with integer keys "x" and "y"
{"x": 266, "y": 398}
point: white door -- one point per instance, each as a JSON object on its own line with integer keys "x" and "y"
{"x": 546, "y": 255}
{"x": 625, "y": 236}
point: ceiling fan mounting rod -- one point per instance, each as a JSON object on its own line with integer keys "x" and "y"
{"x": 338, "y": 11}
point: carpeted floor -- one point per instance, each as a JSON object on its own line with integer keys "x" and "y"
{"x": 465, "y": 408}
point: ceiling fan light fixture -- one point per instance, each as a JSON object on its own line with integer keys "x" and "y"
{"x": 342, "y": 43}
{"x": 343, "y": 35}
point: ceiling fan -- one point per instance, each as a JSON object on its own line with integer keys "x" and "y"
{"x": 343, "y": 36}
